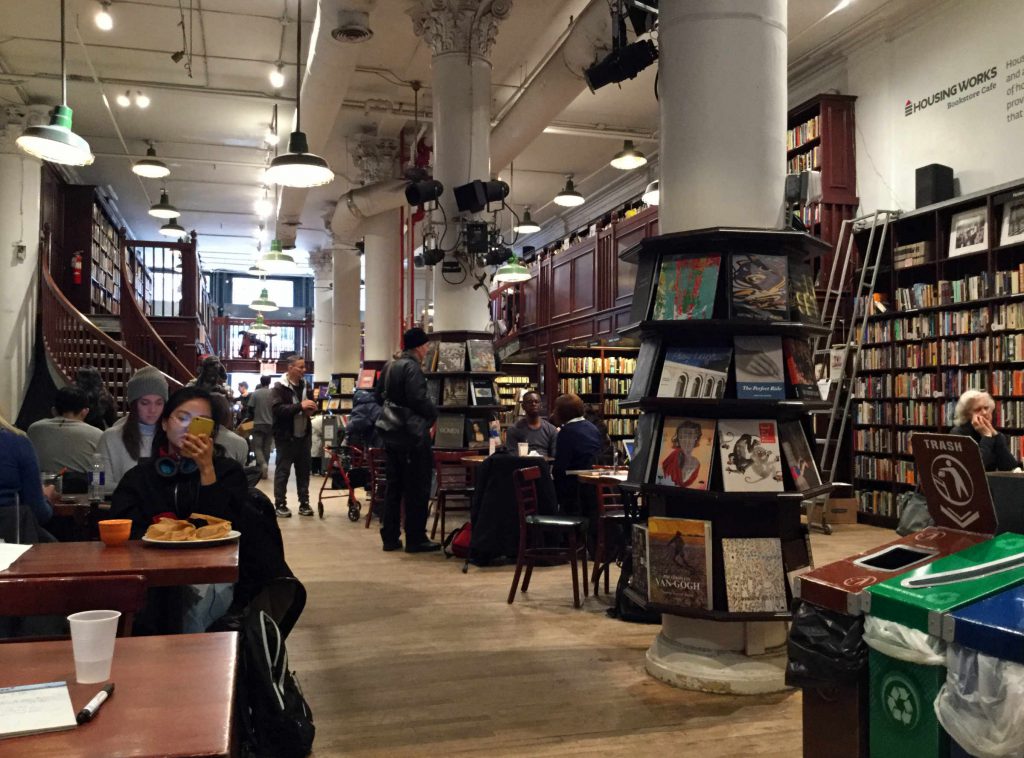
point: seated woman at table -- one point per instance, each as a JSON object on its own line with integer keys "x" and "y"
{"x": 19, "y": 473}
{"x": 579, "y": 443}
{"x": 973, "y": 418}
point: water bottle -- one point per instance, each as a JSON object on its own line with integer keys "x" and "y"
{"x": 97, "y": 479}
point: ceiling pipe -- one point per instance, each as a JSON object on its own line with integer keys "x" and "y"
{"x": 359, "y": 204}
{"x": 330, "y": 66}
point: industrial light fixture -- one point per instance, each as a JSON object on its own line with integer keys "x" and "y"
{"x": 277, "y": 261}
{"x": 652, "y": 195}
{"x": 299, "y": 167}
{"x": 150, "y": 167}
{"x": 125, "y": 100}
{"x": 569, "y": 197}
{"x": 474, "y": 196}
{"x": 164, "y": 209}
{"x": 622, "y": 63}
{"x": 527, "y": 225}
{"x": 264, "y": 206}
{"x": 511, "y": 271}
{"x": 142, "y": 99}
{"x": 257, "y": 270}
{"x": 172, "y": 229}
{"x": 421, "y": 193}
{"x": 263, "y": 302}
{"x": 259, "y": 325}
{"x": 55, "y": 142}
{"x": 628, "y": 157}
{"x": 277, "y": 76}
{"x": 103, "y": 18}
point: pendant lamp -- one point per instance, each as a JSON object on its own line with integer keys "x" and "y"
{"x": 172, "y": 229}
{"x": 150, "y": 167}
{"x": 527, "y": 225}
{"x": 652, "y": 195}
{"x": 569, "y": 197}
{"x": 299, "y": 167}
{"x": 277, "y": 261}
{"x": 259, "y": 325}
{"x": 511, "y": 271}
{"x": 628, "y": 157}
{"x": 263, "y": 302}
{"x": 164, "y": 209}
{"x": 55, "y": 142}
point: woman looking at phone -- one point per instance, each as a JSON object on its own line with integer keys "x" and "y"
{"x": 973, "y": 418}
{"x": 187, "y": 472}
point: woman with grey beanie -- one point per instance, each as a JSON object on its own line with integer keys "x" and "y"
{"x": 130, "y": 439}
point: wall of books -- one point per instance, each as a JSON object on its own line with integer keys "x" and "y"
{"x": 601, "y": 376}
{"x": 953, "y": 295}
{"x": 725, "y": 382}
{"x": 461, "y": 373}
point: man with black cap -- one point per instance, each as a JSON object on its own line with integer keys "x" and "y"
{"x": 410, "y": 460}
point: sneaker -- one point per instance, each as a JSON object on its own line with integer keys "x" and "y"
{"x": 283, "y": 511}
{"x": 423, "y": 547}
{"x": 305, "y": 510}
{"x": 390, "y": 547}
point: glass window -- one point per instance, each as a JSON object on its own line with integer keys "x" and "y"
{"x": 245, "y": 289}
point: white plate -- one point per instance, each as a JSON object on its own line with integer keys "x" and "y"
{"x": 232, "y": 536}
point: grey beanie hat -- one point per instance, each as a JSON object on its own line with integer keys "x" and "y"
{"x": 147, "y": 381}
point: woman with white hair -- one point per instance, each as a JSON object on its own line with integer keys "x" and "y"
{"x": 973, "y": 418}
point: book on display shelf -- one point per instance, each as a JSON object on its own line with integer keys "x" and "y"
{"x": 482, "y": 392}
{"x": 476, "y": 433}
{"x": 759, "y": 287}
{"x": 646, "y": 363}
{"x": 803, "y": 300}
{"x": 686, "y": 287}
{"x": 430, "y": 357}
{"x": 643, "y": 288}
{"x": 800, "y": 368}
{"x": 434, "y": 389}
{"x": 797, "y": 453}
{"x": 754, "y": 575}
{"x": 759, "y": 368}
{"x": 456, "y": 391}
{"x": 367, "y": 378}
{"x": 679, "y": 562}
{"x": 686, "y": 453}
{"x": 695, "y": 372}
{"x": 638, "y": 579}
{"x": 481, "y": 355}
{"x": 750, "y": 457}
{"x": 451, "y": 356}
{"x": 450, "y": 430}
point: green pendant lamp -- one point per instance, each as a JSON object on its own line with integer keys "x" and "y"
{"x": 173, "y": 229}
{"x": 259, "y": 325}
{"x": 277, "y": 261}
{"x": 511, "y": 271}
{"x": 55, "y": 142}
{"x": 263, "y": 302}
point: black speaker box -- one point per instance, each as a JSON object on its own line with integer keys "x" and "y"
{"x": 934, "y": 184}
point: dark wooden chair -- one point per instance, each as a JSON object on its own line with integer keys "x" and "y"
{"x": 376, "y": 489}
{"x": 64, "y": 595}
{"x": 610, "y": 514}
{"x": 534, "y": 527}
{"x": 454, "y": 487}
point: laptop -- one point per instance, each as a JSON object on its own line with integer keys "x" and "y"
{"x": 629, "y": 446}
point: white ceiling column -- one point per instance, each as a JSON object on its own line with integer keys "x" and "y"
{"x": 322, "y": 263}
{"x": 460, "y": 34}
{"x": 722, "y": 156}
{"x": 347, "y": 331}
{"x": 383, "y": 251}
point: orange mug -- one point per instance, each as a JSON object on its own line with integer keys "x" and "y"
{"x": 115, "y": 531}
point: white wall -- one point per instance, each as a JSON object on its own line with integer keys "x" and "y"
{"x": 977, "y": 138}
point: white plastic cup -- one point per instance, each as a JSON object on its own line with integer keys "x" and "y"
{"x": 92, "y": 639}
{"x": 524, "y": 449}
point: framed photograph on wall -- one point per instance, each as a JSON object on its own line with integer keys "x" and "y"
{"x": 1013, "y": 222}
{"x": 968, "y": 232}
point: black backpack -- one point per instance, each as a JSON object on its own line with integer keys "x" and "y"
{"x": 274, "y": 720}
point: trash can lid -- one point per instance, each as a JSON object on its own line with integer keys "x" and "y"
{"x": 994, "y": 626}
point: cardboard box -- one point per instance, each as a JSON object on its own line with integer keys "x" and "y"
{"x": 841, "y": 510}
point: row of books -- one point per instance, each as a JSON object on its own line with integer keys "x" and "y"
{"x": 1008, "y": 348}
{"x": 1004, "y": 381}
{"x": 809, "y": 161}
{"x": 876, "y": 413}
{"x": 596, "y": 365}
{"x": 803, "y": 133}
{"x": 342, "y": 385}
{"x": 811, "y": 214}
{"x": 918, "y": 413}
{"x": 917, "y": 385}
{"x": 916, "y": 355}
{"x": 884, "y": 469}
{"x": 613, "y": 406}
{"x": 614, "y": 386}
{"x": 749, "y": 451}
{"x": 579, "y": 385}
{"x": 1007, "y": 316}
{"x": 875, "y": 358}
{"x": 872, "y": 440}
{"x": 880, "y": 502}
{"x": 672, "y": 567}
{"x": 620, "y": 427}
{"x": 461, "y": 390}
{"x": 762, "y": 287}
{"x": 456, "y": 431}
{"x": 962, "y": 351}
{"x": 451, "y": 356}
{"x": 1008, "y": 413}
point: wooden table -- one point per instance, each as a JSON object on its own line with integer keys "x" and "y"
{"x": 174, "y": 696}
{"x": 589, "y": 476}
{"x": 162, "y": 567}
{"x": 478, "y": 459}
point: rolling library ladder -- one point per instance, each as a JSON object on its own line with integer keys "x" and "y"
{"x": 851, "y": 332}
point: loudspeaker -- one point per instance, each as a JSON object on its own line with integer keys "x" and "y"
{"x": 934, "y": 184}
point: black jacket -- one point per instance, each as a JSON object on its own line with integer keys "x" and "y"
{"x": 494, "y": 510}
{"x": 995, "y": 453}
{"x": 406, "y": 386}
{"x": 285, "y": 409}
{"x": 360, "y": 429}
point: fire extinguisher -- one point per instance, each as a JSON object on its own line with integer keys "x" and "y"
{"x": 76, "y": 268}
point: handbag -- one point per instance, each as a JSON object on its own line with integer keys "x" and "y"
{"x": 397, "y": 424}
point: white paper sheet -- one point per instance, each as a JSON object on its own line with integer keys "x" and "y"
{"x": 10, "y": 552}
{"x": 34, "y": 708}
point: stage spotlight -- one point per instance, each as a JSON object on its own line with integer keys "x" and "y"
{"x": 421, "y": 193}
{"x": 474, "y": 197}
{"x": 619, "y": 65}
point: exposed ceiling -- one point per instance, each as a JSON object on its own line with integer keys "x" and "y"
{"x": 209, "y": 127}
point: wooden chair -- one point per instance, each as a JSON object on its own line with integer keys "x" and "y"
{"x": 64, "y": 595}
{"x": 376, "y": 489}
{"x": 533, "y": 527}
{"x": 454, "y": 487}
{"x": 610, "y": 512}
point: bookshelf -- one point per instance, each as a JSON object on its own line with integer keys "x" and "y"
{"x": 510, "y": 391}
{"x": 956, "y": 322}
{"x": 601, "y": 376}
{"x": 340, "y": 390}
{"x": 466, "y": 417}
{"x": 89, "y": 229}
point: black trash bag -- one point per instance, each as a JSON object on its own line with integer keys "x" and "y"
{"x": 825, "y": 648}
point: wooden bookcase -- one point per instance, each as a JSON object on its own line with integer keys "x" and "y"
{"x": 484, "y": 413}
{"x": 732, "y": 515}
{"x": 90, "y": 230}
{"x": 601, "y": 377}
{"x": 954, "y": 323}
{"x": 518, "y": 377}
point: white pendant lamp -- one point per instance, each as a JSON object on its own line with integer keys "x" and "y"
{"x": 527, "y": 225}
{"x": 569, "y": 197}
{"x": 511, "y": 271}
{"x": 652, "y": 195}
{"x": 277, "y": 261}
{"x": 55, "y": 142}
{"x": 150, "y": 166}
{"x": 163, "y": 208}
{"x": 299, "y": 167}
{"x": 264, "y": 206}
{"x": 263, "y": 302}
{"x": 172, "y": 229}
{"x": 628, "y": 157}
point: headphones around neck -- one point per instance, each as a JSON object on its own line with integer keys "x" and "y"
{"x": 169, "y": 466}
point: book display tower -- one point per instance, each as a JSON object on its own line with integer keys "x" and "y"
{"x": 461, "y": 374}
{"x": 725, "y": 382}
{"x": 337, "y": 398}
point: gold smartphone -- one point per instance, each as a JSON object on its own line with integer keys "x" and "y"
{"x": 201, "y": 425}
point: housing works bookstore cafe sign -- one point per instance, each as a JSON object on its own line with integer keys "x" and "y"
{"x": 977, "y": 85}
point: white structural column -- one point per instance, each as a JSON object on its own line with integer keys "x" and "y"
{"x": 460, "y": 33}
{"x": 722, "y": 72}
{"x": 383, "y": 250}
{"x": 322, "y": 262}
{"x": 347, "y": 328}
{"x": 19, "y": 226}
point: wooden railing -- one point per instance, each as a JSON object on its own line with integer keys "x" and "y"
{"x": 140, "y": 336}
{"x": 226, "y": 336}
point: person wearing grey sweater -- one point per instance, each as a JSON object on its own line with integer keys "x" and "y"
{"x": 130, "y": 439}
{"x": 66, "y": 441}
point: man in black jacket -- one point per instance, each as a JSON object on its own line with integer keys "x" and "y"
{"x": 410, "y": 463}
{"x": 292, "y": 436}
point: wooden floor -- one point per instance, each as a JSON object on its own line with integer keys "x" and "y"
{"x": 403, "y": 655}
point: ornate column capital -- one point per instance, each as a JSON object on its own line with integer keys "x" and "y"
{"x": 321, "y": 261}
{"x": 14, "y": 119}
{"x": 459, "y": 26}
{"x": 375, "y": 157}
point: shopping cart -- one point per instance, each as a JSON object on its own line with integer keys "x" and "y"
{"x": 346, "y": 462}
